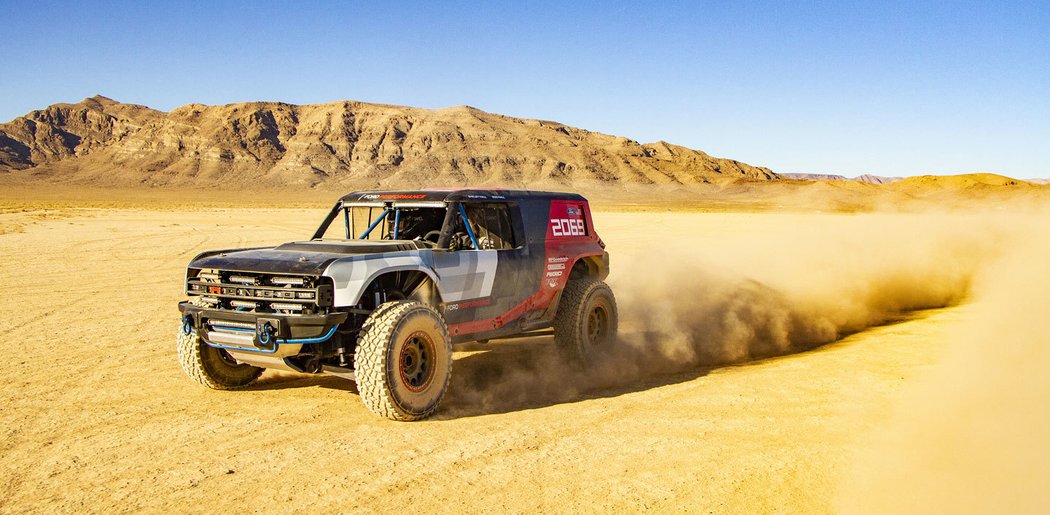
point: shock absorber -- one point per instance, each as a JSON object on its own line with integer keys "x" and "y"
{"x": 340, "y": 348}
{"x": 344, "y": 348}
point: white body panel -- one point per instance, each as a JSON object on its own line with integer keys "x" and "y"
{"x": 459, "y": 275}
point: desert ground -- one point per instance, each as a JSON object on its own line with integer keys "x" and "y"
{"x": 771, "y": 361}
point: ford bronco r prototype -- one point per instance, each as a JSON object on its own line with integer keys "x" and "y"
{"x": 389, "y": 282}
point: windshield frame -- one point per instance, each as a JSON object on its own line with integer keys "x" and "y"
{"x": 385, "y": 207}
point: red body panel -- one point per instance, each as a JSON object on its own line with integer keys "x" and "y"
{"x": 570, "y": 236}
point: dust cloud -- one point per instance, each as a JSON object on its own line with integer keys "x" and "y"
{"x": 973, "y": 437}
{"x": 790, "y": 292}
{"x": 686, "y": 306}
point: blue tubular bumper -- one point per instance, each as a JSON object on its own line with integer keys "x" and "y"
{"x": 319, "y": 339}
{"x": 273, "y": 350}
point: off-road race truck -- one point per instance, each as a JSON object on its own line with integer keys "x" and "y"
{"x": 389, "y": 281}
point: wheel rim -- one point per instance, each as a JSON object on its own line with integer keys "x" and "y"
{"x": 597, "y": 325}
{"x": 416, "y": 362}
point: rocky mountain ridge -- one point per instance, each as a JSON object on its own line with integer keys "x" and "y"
{"x": 102, "y": 142}
{"x": 866, "y": 178}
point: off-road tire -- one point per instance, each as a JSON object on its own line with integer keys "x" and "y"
{"x": 403, "y": 361}
{"x": 212, "y": 367}
{"x": 585, "y": 304}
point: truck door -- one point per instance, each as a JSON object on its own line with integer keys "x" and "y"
{"x": 483, "y": 273}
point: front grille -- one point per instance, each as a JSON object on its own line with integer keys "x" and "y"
{"x": 258, "y": 292}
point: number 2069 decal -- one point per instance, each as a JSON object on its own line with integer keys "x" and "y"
{"x": 568, "y": 227}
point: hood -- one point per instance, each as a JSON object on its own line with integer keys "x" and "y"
{"x": 300, "y": 257}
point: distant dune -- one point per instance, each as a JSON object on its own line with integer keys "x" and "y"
{"x": 960, "y": 182}
{"x": 103, "y": 143}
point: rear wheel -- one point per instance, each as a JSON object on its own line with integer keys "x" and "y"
{"x": 586, "y": 321}
{"x": 212, "y": 367}
{"x": 403, "y": 361}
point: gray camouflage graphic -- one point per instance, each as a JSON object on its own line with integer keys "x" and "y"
{"x": 459, "y": 275}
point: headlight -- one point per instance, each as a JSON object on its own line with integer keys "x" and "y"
{"x": 211, "y": 277}
{"x": 288, "y": 281}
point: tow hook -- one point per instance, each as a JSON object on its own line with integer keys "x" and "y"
{"x": 187, "y": 325}
{"x": 265, "y": 335}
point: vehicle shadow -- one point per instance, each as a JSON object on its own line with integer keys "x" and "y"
{"x": 281, "y": 380}
{"x": 529, "y": 373}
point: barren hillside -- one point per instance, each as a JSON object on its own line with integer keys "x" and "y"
{"x": 101, "y": 142}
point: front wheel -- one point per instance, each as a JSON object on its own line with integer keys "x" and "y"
{"x": 586, "y": 320}
{"x": 403, "y": 361}
{"x": 212, "y": 367}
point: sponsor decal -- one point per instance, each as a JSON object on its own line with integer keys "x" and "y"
{"x": 553, "y": 283}
{"x": 555, "y": 274}
{"x": 561, "y": 259}
{"x": 557, "y": 266}
{"x": 568, "y": 227}
{"x": 394, "y": 196}
{"x": 573, "y": 211}
{"x": 469, "y": 304}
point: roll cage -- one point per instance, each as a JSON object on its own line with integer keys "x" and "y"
{"x": 484, "y": 227}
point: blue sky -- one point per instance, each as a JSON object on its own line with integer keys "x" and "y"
{"x": 890, "y": 88}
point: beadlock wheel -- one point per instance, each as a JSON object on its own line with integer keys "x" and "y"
{"x": 586, "y": 321}
{"x": 416, "y": 364}
{"x": 403, "y": 361}
{"x": 597, "y": 324}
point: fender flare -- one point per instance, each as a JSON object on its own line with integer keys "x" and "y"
{"x": 597, "y": 264}
{"x": 362, "y": 272}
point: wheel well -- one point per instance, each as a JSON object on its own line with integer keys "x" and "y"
{"x": 401, "y": 285}
{"x": 588, "y": 267}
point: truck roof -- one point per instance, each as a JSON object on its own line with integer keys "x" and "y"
{"x": 463, "y": 194}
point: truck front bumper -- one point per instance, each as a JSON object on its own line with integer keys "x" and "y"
{"x": 267, "y": 333}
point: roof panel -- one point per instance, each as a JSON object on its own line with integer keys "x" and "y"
{"x": 444, "y": 195}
